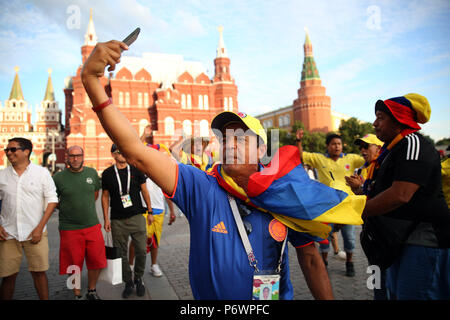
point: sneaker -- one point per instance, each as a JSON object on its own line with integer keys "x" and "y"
{"x": 349, "y": 269}
{"x": 155, "y": 270}
{"x": 79, "y": 297}
{"x": 92, "y": 295}
{"x": 140, "y": 288}
{"x": 128, "y": 289}
{"x": 341, "y": 255}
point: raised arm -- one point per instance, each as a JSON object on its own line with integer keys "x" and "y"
{"x": 298, "y": 141}
{"x": 158, "y": 166}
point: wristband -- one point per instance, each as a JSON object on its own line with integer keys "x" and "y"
{"x": 298, "y": 140}
{"x": 102, "y": 105}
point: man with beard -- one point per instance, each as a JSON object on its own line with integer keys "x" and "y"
{"x": 80, "y": 230}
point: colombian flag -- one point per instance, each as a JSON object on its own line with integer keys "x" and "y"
{"x": 284, "y": 190}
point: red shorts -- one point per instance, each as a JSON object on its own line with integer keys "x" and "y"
{"x": 76, "y": 245}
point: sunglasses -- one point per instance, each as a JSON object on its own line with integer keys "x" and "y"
{"x": 75, "y": 155}
{"x": 13, "y": 149}
{"x": 245, "y": 211}
{"x": 364, "y": 146}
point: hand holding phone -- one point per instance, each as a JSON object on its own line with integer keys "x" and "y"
{"x": 131, "y": 37}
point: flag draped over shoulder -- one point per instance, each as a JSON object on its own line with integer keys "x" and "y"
{"x": 284, "y": 189}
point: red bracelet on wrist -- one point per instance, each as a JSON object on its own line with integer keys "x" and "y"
{"x": 102, "y": 105}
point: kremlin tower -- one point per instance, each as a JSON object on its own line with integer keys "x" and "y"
{"x": 313, "y": 106}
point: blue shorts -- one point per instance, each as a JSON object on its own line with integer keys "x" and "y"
{"x": 421, "y": 273}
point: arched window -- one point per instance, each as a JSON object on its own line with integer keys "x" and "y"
{"x": 169, "y": 126}
{"x": 204, "y": 128}
{"x": 142, "y": 124}
{"x": 287, "y": 120}
{"x": 187, "y": 127}
{"x": 146, "y": 100}
{"x": 183, "y": 101}
{"x": 120, "y": 98}
{"x": 90, "y": 128}
{"x": 189, "y": 101}
{"x": 205, "y": 102}
{"x": 127, "y": 99}
{"x": 200, "y": 102}
{"x": 140, "y": 99}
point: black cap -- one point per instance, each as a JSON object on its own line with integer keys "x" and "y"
{"x": 113, "y": 148}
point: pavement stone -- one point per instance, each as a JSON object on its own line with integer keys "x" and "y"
{"x": 173, "y": 260}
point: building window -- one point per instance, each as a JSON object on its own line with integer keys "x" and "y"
{"x": 120, "y": 98}
{"x": 225, "y": 104}
{"x": 127, "y": 99}
{"x": 187, "y": 128}
{"x": 142, "y": 124}
{"x": 281, "y": 121}
{"x": 189, "y": 101}
{"x": 200, "y": 102}
{"x": 205, "y": 102}
{"x": 169, "y": 126}
{"x": 146, "y": 103}
{"x": 230, "y": 104}
{"x": 204, "y": 128}
{"x": 140, "y": 99}
{"x": 183, "y": 101}
{"x": 287, "y": 120}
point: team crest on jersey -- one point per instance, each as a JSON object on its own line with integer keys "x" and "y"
{"x": 277, "y": 230}
{"x": 89, "y": 180}
{"x": 347, "y": 166}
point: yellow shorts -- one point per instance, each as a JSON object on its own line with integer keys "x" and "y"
{"x": 11, "y": 252}
{"x": 155, "y": 229}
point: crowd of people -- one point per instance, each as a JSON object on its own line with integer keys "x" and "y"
{"x": 241, "y": 213}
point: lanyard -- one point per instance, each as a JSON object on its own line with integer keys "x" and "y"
{"x": 246, "y": 242}
{"x": 128, "y": 179}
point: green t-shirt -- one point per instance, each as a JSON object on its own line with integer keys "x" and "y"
{"x": 76, "y": 193}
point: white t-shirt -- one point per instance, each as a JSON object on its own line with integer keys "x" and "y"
{"x": 156, "y": 195}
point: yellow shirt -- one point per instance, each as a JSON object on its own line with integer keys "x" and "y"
{"x": 345, "y": 165}
{"x": 445, "y": 171}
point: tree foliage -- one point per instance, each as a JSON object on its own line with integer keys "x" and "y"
{"x": 352, "y": 129}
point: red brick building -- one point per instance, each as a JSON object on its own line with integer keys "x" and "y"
{"x": 46, "y": 135}
{"x": 173, "y": 95}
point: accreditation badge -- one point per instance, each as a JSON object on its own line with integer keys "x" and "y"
{"x": 126, "y": 201}
{"x": 266, "y": 285}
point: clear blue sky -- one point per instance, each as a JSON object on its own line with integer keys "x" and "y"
{"x": 364, "y": 50}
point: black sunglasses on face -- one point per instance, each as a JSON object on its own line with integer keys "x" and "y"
{"x": 13, "y": 149}
{"x": 364, "y": 146}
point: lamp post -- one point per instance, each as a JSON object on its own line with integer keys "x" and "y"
{"x": 53, "y": 133}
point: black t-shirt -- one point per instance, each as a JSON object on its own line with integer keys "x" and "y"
{"x": 415, "y": 160}
{"x": 110, "y": 183}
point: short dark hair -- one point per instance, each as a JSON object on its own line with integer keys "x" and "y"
{"x": 332, "y": 136}
{"x": 25, "y": 144}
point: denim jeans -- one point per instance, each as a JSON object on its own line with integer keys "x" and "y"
{"x": 348, "y": 234}
{"x": 420, "y": 273}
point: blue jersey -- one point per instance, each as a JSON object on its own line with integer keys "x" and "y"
{"x": 218, "y": 263}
